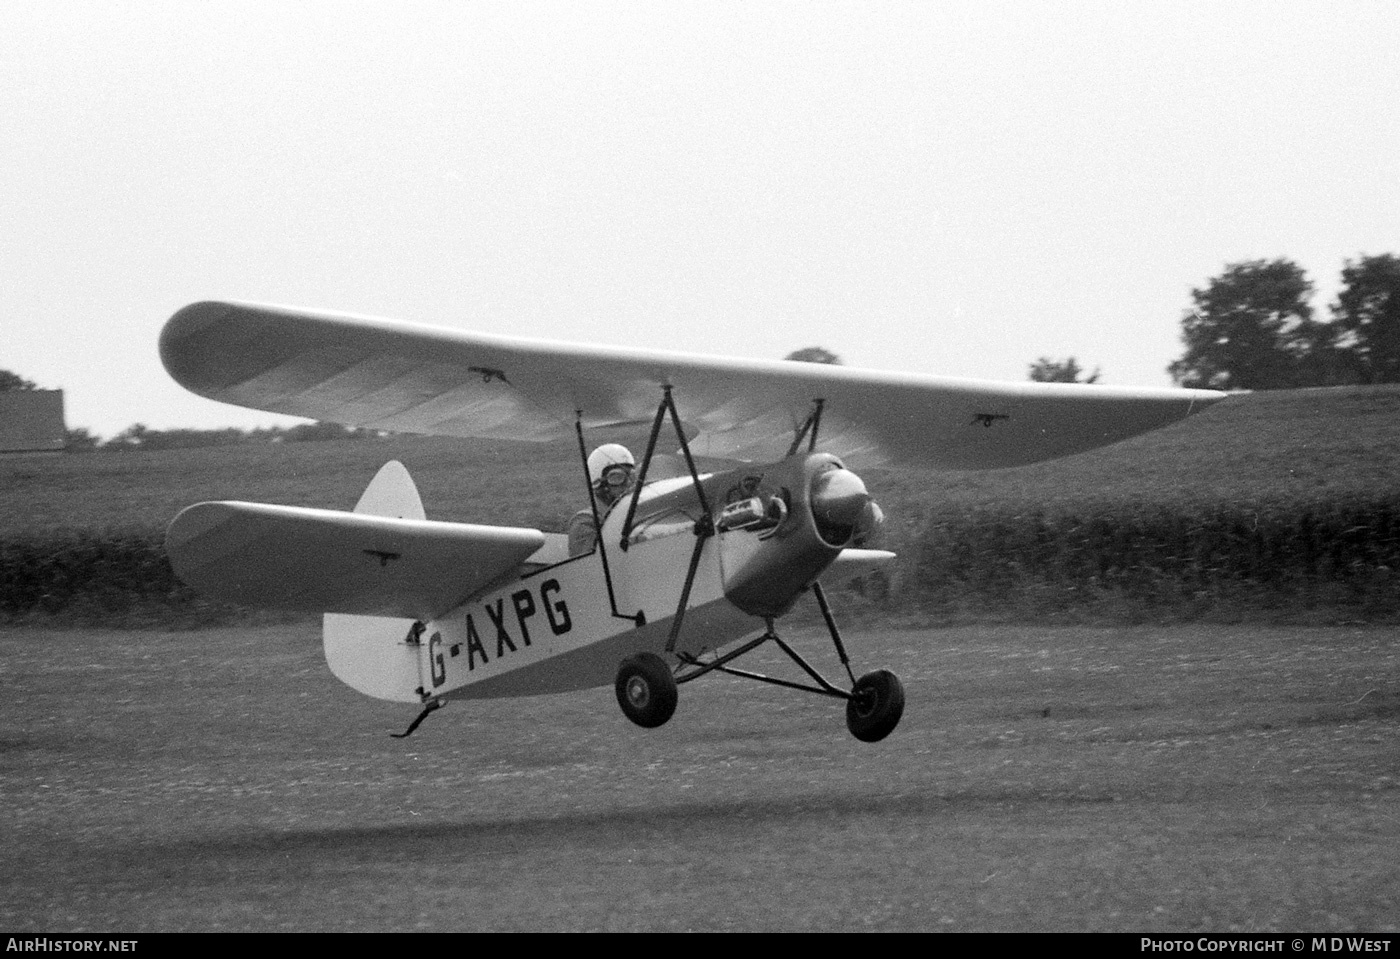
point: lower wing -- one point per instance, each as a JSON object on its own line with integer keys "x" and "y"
{"x": 318, "y": 560}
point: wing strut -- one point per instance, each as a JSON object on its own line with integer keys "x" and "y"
{"x": 704, "y": 527}
{"x": 813, "y": 423}
{"x": 667, "y": 405}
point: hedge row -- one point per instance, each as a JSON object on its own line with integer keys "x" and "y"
{"x": 1281, "y": 561}
{"x": 1338, "y": 560}
{"x": 113, "y": 578}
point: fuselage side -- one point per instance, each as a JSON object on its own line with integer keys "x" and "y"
{"x": 559, "y": 627}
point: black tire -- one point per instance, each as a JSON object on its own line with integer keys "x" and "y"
{"x": 875, "y": 706}
{"x": 646, "y": 690}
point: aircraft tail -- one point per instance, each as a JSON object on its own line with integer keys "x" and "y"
{"x": 369, "y": 653}
{"x": 392, "y": 493}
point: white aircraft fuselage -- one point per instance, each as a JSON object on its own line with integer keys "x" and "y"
{"x": 559, "y": 626}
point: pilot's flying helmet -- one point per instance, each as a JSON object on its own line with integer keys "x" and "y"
{"x": 602, "y": 463}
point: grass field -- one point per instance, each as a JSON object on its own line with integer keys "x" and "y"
{"x": 1156, "y": 779}
{"x": 1215, "y": 776}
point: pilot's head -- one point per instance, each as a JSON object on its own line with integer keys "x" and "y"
{"x": 610, "y": 469}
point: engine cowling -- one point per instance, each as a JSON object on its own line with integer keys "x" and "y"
{"x": 778, "y": 527}
{"x": 825, "y": 508}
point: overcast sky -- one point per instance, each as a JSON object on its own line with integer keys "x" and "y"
{"x": 953, "y": 188}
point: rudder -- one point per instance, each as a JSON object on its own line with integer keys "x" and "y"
{"x": 392, "y": 493}
{"x": 371, "y": 654}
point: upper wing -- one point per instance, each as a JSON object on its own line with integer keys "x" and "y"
{"x": 397, "y": 376}
{"x": 321, "y": 560}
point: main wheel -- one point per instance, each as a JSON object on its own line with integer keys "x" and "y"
{"x": 876, "y": 703}
{"x": 646, "y": 690}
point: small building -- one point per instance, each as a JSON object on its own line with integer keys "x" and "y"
{"x": 31, "y": 421}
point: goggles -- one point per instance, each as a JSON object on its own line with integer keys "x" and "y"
{"x": 616, "y": 475}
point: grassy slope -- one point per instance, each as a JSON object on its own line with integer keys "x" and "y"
{"x": 1234, "y": 511}
{"x": 1289, "y": 446}
{"x": 1299, "y": 445}
{"x": 470, "y": 481}
{"x": 1274, "y": 456}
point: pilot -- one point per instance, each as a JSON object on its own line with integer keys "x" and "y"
{"x": 611, "y": 470}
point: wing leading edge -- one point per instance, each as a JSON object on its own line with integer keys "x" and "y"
{"x": 386, "y": 374}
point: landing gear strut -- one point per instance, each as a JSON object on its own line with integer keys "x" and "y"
{"x": 646, "y": 687}
{"x": 874, "y": 704}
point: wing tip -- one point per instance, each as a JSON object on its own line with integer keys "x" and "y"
{"x": 1198, "y": 400}
{"x": 180, "y": 351}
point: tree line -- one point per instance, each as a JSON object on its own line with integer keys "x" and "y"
{"x": 140, "y": 437}
{"x": 1253, "y": 328}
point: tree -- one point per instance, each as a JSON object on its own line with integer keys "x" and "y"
{"x": 79, "y": 440}
{"x": 1252, "y": 329}
{"x": 13, "y": 381}
{"x": 814, "y": 354}
{"x": 131, "y": 438}
{"x": 1046, "y": 370}
{"x": 314, "y": 432}
{"x": 139, "y": 436}
{"x": 1367, "y": 318}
